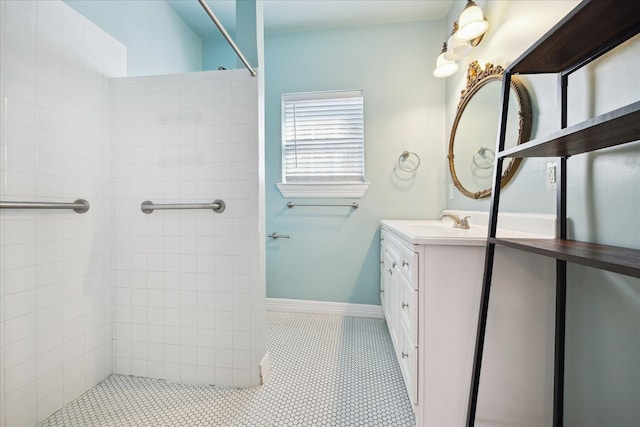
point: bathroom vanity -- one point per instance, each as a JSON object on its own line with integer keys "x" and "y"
{"x": 431, "y": 278}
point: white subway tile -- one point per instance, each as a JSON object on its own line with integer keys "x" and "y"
{"x": 171, "y": 353}
{"x": 20, "y": 328}
{"x": 223, "y": 339}
{"x": 49, "y": 339}
{"x": 20, "y": 375}
{"x": 223, "y": 358}
{"x": 171, "y": 335}
{"x": 21, "y": 406}
{"x": 20, "y": 303}
{"x": 49, "y": 361}
{"x": 223, "y": 376}
{"x": 49, "y": 383}
{"x": 17, "y": 352}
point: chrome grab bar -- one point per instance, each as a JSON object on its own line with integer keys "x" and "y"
{"x": 353, "y": 205}
{"x": 80, "y": 205}
{"x": 217, "y": 206}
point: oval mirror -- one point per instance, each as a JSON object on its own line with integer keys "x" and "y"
{"x": 475, "y": 129}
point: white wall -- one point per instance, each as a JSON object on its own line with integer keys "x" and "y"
{"x": 187, "y": 295}
{"x": 55, "y": 266}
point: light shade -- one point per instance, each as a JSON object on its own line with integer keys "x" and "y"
{"x": 471, "y": 24}
{"x": 456, "y": 49}
{"x": 444, "y": 67}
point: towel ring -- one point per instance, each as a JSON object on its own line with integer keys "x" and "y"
{"x": 480, "y": 153}
{"x": 403, "y": 157}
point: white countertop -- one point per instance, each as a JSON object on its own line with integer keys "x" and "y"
{"x": 441, "y": 232}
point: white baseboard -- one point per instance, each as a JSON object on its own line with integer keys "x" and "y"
{"x": 325, "y": 307}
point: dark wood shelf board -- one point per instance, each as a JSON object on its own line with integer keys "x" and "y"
{"x": 607, "y": 130}
{"x": 591, "y": 28}
{"x": 612, "y": 258}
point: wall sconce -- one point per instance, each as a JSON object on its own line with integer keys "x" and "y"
{"x": 472, "y": 23}
{"x": 456, "y": 49}
{"x": 466, "y": 34}
{"x": 444, "y": 67}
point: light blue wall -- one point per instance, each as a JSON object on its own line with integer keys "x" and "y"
{"x": 217, "y": 53}
{"x": 157, "y": 40}
{"x": 333, "y": 253}
{"x": 602, "y": 379}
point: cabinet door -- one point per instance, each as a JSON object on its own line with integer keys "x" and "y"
{"x": 385, "y": 279}
{"x": 407, "y": 305}
{"x": 408, "y": 360}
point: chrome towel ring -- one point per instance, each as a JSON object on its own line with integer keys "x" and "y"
{"x": 403, "y": 158}
{"x": 481, "y": 155}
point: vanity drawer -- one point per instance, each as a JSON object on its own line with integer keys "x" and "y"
{"x": 406, "y": 259}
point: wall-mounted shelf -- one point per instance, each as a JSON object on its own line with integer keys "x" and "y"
{"x": 588, "y": 31}
{"x": 612, "y": 258}
{"x": 607, "y": 130}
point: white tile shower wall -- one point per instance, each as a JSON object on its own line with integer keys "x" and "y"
{"x": 56, "y": 267}
{"x": 187, "y": 297}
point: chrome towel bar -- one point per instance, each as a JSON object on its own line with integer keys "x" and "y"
{"x": 80, "y": 205}
{"x": 277, "y": 235}
{"x": 353, "y": 205}
{"x": 217, "y": 206}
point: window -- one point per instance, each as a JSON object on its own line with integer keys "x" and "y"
{"x": 323, "y": 144}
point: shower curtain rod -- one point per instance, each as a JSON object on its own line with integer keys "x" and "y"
{"x": 226, "y": 36}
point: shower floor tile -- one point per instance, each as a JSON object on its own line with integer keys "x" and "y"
{"x": 326, "y": 371}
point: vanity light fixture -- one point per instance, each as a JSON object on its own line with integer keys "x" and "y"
{"x": 472, "y": 24}
{"x": 467, "y": 33}
{"x": 445, "y": 67}
{"x": 456, "y": 49}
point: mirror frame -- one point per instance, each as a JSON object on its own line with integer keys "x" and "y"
{"x": 477, "y": 78}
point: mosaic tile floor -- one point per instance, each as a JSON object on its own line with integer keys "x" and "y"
{"x": 326, "y": 371}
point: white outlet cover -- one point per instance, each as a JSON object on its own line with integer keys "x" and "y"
{"x": 551, "y": 175}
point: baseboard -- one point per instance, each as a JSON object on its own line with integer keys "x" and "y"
{"x": 324, "y": 307}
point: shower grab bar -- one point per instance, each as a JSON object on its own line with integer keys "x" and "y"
{"x": 217, "y": 206}
{"x": 80, "y": 205}
{"x": 227, "y": 36}
{"x": 353, "y": 205}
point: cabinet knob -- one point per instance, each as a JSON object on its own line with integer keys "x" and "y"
{"x": 393, "y": 264}
{"x": 404, "y": 304}
{"x": 403, "y": 354}
{"x": 405, "y": 263}
{"x": 390, "y": 272}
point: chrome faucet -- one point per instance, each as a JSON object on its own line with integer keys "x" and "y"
{"x": 457, "y": 222}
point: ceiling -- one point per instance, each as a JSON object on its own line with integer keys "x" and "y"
{"x": 303, "y": 15}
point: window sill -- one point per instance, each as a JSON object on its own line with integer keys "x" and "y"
{"x": 315, "y": 190}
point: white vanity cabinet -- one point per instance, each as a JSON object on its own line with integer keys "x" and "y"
{"x": 399, "y": 296}
{"x": 430, "y": 292}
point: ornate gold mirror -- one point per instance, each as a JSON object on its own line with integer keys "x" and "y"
{"x": 475, "y": 130}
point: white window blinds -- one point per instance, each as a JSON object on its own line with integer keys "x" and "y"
{"x": 323, "y": 137}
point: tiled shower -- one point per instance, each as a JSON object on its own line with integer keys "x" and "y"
{"x": 172, "y": 294}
